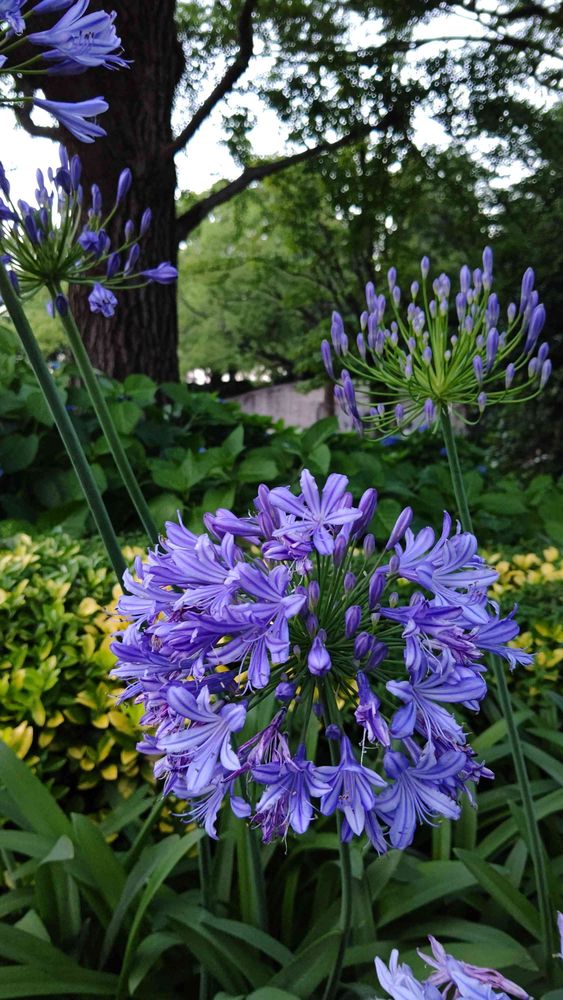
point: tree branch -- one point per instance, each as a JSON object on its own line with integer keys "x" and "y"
{"x": 192, "y": 218}
{"x": 23, "y": 117}
{"x": 226, "y": 84}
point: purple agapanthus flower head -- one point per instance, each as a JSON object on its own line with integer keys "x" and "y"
{"x": 413, "y": 363}
{"x": 295, "y": 606}
{"x": 50, "y": 244}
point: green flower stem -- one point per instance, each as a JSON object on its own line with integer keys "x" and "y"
{"x": 533, "y": 836}
{"x": 205, "y": 883}
{"x": 106, "y": 423}
{"x": 345, "y": 920}
{"x": 64, "y": 424}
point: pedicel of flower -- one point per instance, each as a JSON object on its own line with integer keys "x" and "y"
{"x": 422, "y": 361}
{"x": 294, "y": 606}
{"x": 47, "y": 245}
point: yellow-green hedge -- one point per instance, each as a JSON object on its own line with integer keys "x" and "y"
{"x": 57, "y": 704}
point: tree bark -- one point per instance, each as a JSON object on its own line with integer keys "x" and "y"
{"x": 143, "y": 335}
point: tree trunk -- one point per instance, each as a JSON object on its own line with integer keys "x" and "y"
{"x": 143, "y": 335}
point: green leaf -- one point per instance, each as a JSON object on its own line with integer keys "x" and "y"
{"x": 317, "y": 434}
{"x": 21, "y": 981}
{"x": 148, "y": 953}
{"x": 439, "y": 880}
{"x": 250, "y": 877}
{"x": 218, "y": 496}
{"x": 502, "y": 891}
{"x": 506, "y": 504}
{"x": 549, "y": 764}
{"x": 256, "y": 938}
{"x": 319, "y": 460}
{"x": 37, "y": 407}
{"x": 95, "y": 853}
{"x": 174, "y": 849}
{"x": 309, "y": 967}
{"x": 140, "y": 388}
{"x": 63, "y": 850}
{"x": 169, "y": 475}
{"x": 125, "y": 416}
{"x": 386, "y": 514}
{"x": 18, "y": 452}
{"x": 256, "y": 469}
{"x": 165, "y": 508}
{"x": 34, "y": 802}
{"x": 234, "y": 443}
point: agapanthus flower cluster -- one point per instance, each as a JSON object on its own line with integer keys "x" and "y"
{"x": 408, "y": 365}
{"x": 79, "y": 40}
{"x": 249, "y": 641}
{"x": 451, "y": 978}
{"x": 48, "y": 244}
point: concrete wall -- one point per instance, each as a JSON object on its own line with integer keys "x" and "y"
{"x": 284, "y": 402}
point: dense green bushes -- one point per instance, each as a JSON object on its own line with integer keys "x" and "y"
{"x": 194, "y": 453}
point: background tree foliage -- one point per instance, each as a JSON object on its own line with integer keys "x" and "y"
{"x": 333, "y": 73}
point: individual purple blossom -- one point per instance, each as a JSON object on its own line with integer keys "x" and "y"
{"x": 315, "y": 515}
{"x": 76, "y": 117}
{"x": 290, "y": 785}
{"x": 415, "y": 795}
{"x": 102, "y": 300}
{"x": 468, "y": 982}
{"x": 207, "y": 740}
{"x": 80, "y": 41}
{"x": 164, "y": 274}
{"x": 350, "y": 788}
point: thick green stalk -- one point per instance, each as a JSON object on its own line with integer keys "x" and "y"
{"x": 206, "y": 883}
{"x": 63, "y": 423}
{"x": 106, "y": 423}
{"x": 345, "y": 920}
{"x": 535, "y": 845}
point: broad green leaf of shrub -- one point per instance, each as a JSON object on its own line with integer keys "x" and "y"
{"x": 140, "y": 388}
{"x": 125, "y": 415}
{"x": 18, "y": 452}
{"x": 317, "y": 434}
{"x": 256, "y": 468}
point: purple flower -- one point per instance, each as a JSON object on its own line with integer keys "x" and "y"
{"x": 416, "y": 794}
{"x": 207, "y": 740}
{"x": 80, "y": 41}
{"x": 102, "y": 300}
{"x": 164, "y": 274}
{"x": 467, "y": 979}
{"x": 350, "y": 789}
{"x": 291, "y": 784}
{"x": 314, "y": 514}
{"x": 10, "y": 11}
{"x": 252, "y": 607}
{"x": 75, "y": 116}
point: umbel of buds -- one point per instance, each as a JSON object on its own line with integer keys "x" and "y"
{"x": 406, "y": 365}
{"x": 246, "y": 641}
{"x": 48, "y": 244}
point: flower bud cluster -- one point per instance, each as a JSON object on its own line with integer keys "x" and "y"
{"x": 47, "y": 245}
{"x": 270, "y": 627}
{"x": 409, "y": 365}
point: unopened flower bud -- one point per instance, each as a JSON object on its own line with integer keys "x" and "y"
{"x": 369, "y": 546}
{"x": 545, "y": 373}
{"x": 401, "y": 524}
{"x": 352, "y": 619}
{"x": 318, "y": 659}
